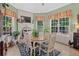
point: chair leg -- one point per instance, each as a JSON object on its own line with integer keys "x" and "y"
{"x": 47, "y": 53}
{"x": 53, "y": 53}
{"x": 31, "y": 52}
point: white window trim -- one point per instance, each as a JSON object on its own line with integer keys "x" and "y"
{"x": 59, "y": 26}
{"x": 50, "y": 26}
{"x": 37, "y": 27}
{"x": 68, "y": 26}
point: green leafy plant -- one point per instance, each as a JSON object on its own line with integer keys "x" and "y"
{"x": 35, "y": 33}
{"x": 46, "y": 30}
{"x": 15, "y": 34}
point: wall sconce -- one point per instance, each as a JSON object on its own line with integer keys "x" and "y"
{"x": 77, "y": 26}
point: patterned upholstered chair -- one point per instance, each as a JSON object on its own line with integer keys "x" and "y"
{"x": 47, "y": 47}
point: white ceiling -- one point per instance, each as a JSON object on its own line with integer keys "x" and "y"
{"x": 38, "y": 7}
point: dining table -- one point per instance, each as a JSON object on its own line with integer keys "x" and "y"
{"x": 38, "y": 40}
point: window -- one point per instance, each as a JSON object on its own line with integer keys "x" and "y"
{"x": 54, "y": 25}
{"x": 40, "y": 26}
{"x": 7, "y": 21}
{"x": 64, "y": 25}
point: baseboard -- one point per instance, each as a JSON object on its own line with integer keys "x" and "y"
{"x": 62, "y": 43}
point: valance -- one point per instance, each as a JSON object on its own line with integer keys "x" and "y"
{"x": 67, "y": 13}
{"x": 9, "y": 12}
{"x": 39, "y": 18}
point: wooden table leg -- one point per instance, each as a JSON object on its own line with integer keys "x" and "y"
{"x": 39, "y": 48}
{"x": 31, "y": 52}
{"x": 34, "y": 47}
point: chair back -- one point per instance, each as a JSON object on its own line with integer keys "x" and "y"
{"x": 51, "y": 42}
{"x": 27, "y": 38}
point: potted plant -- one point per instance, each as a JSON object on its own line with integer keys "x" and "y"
{"x": 15, "y": 34}
{"x": 46, "y": 33}
{"x": 46, "y": 30}
{"x": 35, "y": 34}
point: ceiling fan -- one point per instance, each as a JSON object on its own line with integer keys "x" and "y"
{"x": 43, "y": 4}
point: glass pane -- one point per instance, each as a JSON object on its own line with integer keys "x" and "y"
{"x": 7, "y": 25}
{"x": 54, "y": 23}
{"x": 64, "y": 22}
{"x": 40, "y": 26}
{"x": 64, "y": 29}
{"x": 54, "y": 29}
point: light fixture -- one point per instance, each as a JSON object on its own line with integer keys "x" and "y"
{"x": 43, "y": 4}
{"x": 77, "y": 26}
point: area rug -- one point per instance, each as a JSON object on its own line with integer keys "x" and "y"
{"x": 24, "y": 51}
{"x": 56, "y": 52}
{"x": 53, "y": 53}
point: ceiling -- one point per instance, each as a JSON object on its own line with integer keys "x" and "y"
{"x": 38, "y": 7}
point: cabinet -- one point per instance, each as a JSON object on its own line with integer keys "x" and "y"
{"x": 76, "y": 40}
{"x": 1, "y": 48}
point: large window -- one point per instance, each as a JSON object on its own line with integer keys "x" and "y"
{"x": 7, "y": 21}
{"x": 64, "y": 25}
{"x": 40, "y": 26}
{"x": 54, "y": 25}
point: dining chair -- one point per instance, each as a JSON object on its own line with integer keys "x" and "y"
{"x": 27, "y": 39}
{"x": 52, "y": 41}
{"x": 48, "y": 46}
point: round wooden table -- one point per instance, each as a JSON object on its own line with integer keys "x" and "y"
{"x": 38, "y": 40}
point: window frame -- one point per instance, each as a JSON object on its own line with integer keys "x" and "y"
{"x": 60, "y": 26}
{"x": 53, "y": 26}
{"x": 68, "y": 26}
{"x": 37, "y": 25}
